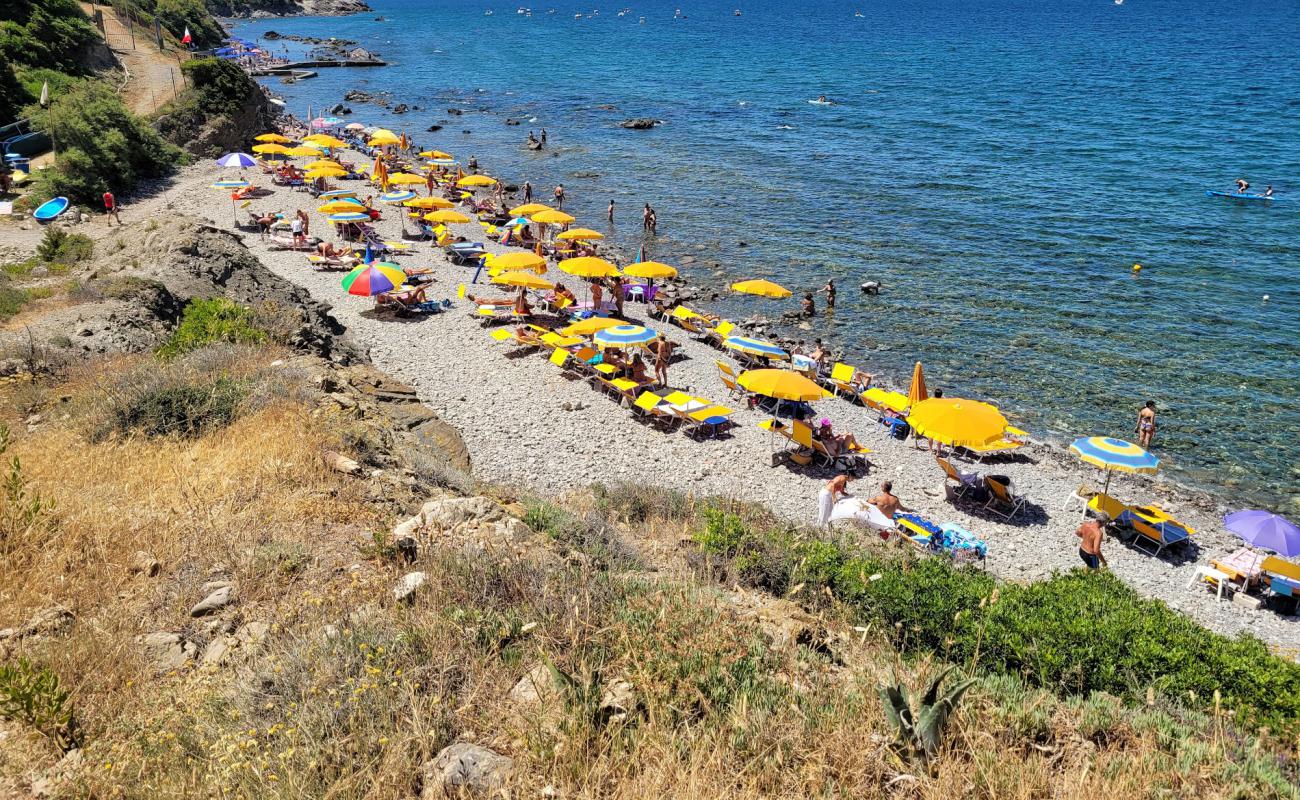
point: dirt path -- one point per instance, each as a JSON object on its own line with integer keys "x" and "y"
{"x": 154, "y": 77}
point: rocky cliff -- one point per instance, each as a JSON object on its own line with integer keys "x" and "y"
{"x": 286, "y": 8}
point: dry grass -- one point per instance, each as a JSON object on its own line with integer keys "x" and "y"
{"x": 351, "y": 693}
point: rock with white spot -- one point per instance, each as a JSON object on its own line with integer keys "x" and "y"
{"x": 405, "y": 590}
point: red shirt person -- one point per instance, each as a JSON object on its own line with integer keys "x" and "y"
{"x": 110, "y": 208}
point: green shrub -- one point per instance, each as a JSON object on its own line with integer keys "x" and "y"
{"x": 186, "y": 409}
{"x": 11, "y": 301}
{"x": 40, "y": 40}
{"x": 207, "y": 321}
{"x": 636, "y": 503}
{"x": 58, "y": 246}
{"x": 1077, "y": 633}
{"x": 32, "y": 695}
{"x": 175, "y": 16}
{"x": 21, "y": 268}
{"x": 592, "y": 536}
{"x": 101, "y": 146}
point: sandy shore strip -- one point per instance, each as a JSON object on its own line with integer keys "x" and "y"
{"x": 526, "y": 424}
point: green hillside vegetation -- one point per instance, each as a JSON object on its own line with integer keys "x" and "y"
{"x": 175, "y": 16}
{"x": 40, "y": 40}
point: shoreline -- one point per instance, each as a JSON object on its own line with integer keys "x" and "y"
{"x": 516, "y": 413}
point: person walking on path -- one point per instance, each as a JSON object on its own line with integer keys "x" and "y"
{"x": 1146, "y": 424}
{"x": 836, "y": 489}
{"x": 110, "y": 209}
{"x": 1089, "y": 534}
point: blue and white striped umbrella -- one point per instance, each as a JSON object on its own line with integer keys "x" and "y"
{"x": 1114, "y": 454}
{"x": 349, "y": 216}
{"x": 339, "y": 194}
{"x": 624, "y": 336}
{"x": 397, "y": 197}
{"x": 237, "y": 160}
{"x": 755, "y": 347}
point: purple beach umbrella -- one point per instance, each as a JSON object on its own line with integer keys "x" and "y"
{"x": 240, "y": 160}
{"x": 1265, "y": 530}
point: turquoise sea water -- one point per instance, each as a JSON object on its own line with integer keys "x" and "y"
{"x": 999, "y": 165}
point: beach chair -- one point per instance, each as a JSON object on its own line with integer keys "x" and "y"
{"x": 689, "y": 321}
{"x": 999, "y": 447}
{"x": 964, "y": 481}
{"x": 1001, "y": 501}
{"x": 1154, "y": 528}
{"x": 713, "y": 419}
{"x": 841, "y": 380}
{"x": 1282, "y": 577}
{"x": 1081, "y": 495}
{"x": 623, "y": 389}
{"x": 560, "y": 358}
{"x": 646, "y": 408}
{"x": 728, "y": 376}
{"x": 1105, "y": 504}
{"x": 719, "y": 333}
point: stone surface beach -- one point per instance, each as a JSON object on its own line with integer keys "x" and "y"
{"x": 526, "y": 424}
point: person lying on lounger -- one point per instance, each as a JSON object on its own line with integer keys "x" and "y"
{"x": 401, "y": 300}
{"x": 491, "y": 301}
{"x": 836, "y": 445}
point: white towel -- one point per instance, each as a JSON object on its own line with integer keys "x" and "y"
{"x": 825, "y": 503}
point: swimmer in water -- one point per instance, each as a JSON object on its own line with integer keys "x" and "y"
{"x": 1268, "y": 191}
{"x": 822, "y": 99}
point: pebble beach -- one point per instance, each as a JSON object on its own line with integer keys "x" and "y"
{"x": 526, "y": 424}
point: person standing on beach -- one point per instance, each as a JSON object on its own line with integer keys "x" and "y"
{"x": 296, "y": 228}
{"x": 834, "y": 491}
{"x": 306, "y": 223}
{"x": 559, "y": 196}
{"x": 428, "y": 181}
{"x": 1146, "y": 424}
{"x": 611, "y": 211}
{"x": 663, "y": 354}
{"x": 1089, "y": 534}
{"x": 597, "y": 294}
{"x": 528, "y": 192}
{"x": 617, "y": 289}
{"x": 110, "y": 209}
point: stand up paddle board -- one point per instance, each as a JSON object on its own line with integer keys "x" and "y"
{"x": 1240, "y": 196}
{"x": 50, "y": 209}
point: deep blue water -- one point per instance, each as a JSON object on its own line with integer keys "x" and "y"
{"x": 999, "y": 165}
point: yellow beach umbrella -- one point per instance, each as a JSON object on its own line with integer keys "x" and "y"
{"x": 590, "y": 325}
{"x": 324, "y": 163}
{"x": 551, "y": 217}
{"x": 302, "y": 151}
{"x": 405, "y": 179}
{"x": 589, "y": 267}
{"x": 270, "y": 148}
{"x": 917, "y": 392}
{"x": 273, "y": 138}
{"x": 762, "y": 288}
{"x": 476, "y": 180}
{"x": 446, "y": 215}
{"x": 323, "y": 140}
{"x": 650, "y": 269}
{"x": 781, "y": 384}
{"x": 580, "y": 235}
{"x": 328, "y": 172}
{"x": 340, "y": 207}
{"x": 382, "y": 137}
{"x": 529, "y": 208}
{"x": 435, "y": 154}
{"x": 957, "y": 422}
{"x": 429, "y": 202}
{"x": 523, "y": 259}
{"x": 526, "y": 280}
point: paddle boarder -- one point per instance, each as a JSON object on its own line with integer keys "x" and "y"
{"x": 110, "y": 209}
{"x": 1242, "y": 185}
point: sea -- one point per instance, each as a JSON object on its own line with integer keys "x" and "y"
{"x": 997, "y": 166}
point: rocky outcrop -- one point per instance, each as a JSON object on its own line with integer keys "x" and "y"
{"x": 208, "y": 135}
{"x": 466, "y": 770}
{"x": 640, "y": 123}
{"x": 285, "y": 8}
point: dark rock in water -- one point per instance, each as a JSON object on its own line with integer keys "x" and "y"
{"x": 381, "y": 18}
{"x": 400, "y": 108}
{"x": 335, "y": 109}
{"x": 467, "y": 131}
{"x": 415, "y": 108}
{"x": 640, "y": 123}
{"x": 343, "y": 112}
{"x": 434, "y": 128}
{"x": 742, "y": 244}
{"x": 512, "y": 122}
{"x": 585, "y": 175}
{"x": 272, "y": 35}
{"x": 510, "y": 188}
{"x": 455, "y": 112}
{"x": 607, "y": 107}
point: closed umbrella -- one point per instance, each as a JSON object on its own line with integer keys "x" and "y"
{"x": 917, "y": 392}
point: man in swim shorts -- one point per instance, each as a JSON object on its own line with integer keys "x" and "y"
{"x": 1089, "y": 534}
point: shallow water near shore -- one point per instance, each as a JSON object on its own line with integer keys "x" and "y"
{"x": 998, "y": 166}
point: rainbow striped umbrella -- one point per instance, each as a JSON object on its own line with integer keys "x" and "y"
{"x": 624, "y": 336}
{"x": 368, "y": 280}
{"x": 755, "y": 347}
{"x": 1114, "y": 455}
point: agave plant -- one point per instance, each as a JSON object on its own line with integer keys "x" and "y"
{"x": 920, "y": 732}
